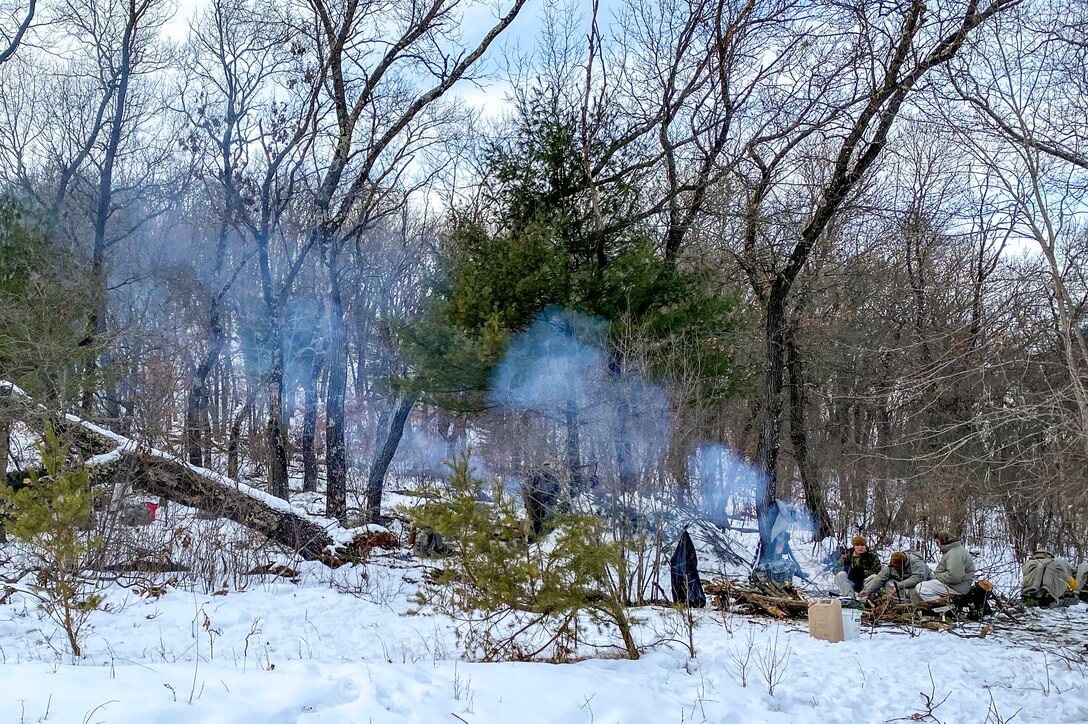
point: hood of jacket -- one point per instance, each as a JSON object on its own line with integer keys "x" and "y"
{"x": 945, "y": 547}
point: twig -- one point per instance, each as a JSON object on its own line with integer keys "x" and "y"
{"x": 87, "y": 718}
{"x": 928, "y": 700}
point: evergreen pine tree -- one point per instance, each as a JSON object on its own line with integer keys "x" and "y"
{"x": 534, "y": 241}
{"x": 51, "y": 517}
{"x": 496, "y": 567}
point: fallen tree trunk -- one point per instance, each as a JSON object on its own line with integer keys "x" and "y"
{"x": 176, "y": 481}
{"x": 118, "y": 463}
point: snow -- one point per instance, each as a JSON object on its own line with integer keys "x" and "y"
{"x": 112, "y": 456}
{"x": 351, "y": 645}
{"x": 354, "y": 645}
{"x": 11, "y": 388}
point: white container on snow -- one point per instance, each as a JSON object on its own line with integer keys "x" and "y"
{"x": 851, "y": 624}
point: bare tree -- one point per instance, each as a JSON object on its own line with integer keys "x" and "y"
{"x": 383, "y": 103}
{"x": 847, "y": 106}
{"x": 83, "y": 138}
{"x": 665, "y": 95}
{"x": 1034, "y": 144}
{"x": 250, "y": 132}
{"x": 12, "y": 34}
{"x": 123, "y": 40}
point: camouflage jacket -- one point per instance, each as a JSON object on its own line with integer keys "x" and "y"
{"x": 867, "y": 564}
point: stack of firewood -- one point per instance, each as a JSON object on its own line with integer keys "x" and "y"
{"x": 782, "y": 600}
{"x": 884, "y": 610}
{"x": 973, "y": 605}
{"x": 770, "y": 598}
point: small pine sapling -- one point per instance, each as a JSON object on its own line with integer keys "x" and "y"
{"x": 500, "y": 566}
{"x": 51, "y": 518}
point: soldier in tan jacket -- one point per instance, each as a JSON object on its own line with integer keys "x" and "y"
{"x": 953, "y": 575}
{"x": 900, "y": 578}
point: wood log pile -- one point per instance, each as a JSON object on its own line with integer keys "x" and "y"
{"x": 883, "y": 610}
{"x": 766, "y": 598}
{"x": 974, "y": 604}
{"x": 783, "y": 601}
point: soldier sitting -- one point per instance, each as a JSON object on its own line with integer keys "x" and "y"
{"x": 858, "y": 565}
{"x": 1047, "y": 580}
{"x": 953, "y": 575}
{"x": 427, "y": 543}
{"x": 541, "y": 493}
{"x": 900, "y": 578}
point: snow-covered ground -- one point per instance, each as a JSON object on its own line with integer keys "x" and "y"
{"x": 353, "y": 646}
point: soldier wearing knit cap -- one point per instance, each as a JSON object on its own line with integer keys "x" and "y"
{"x": 900, "y": 577}
{"x": 858, "y": 564}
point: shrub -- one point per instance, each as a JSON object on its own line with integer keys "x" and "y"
{"x": 498, "y": 567}
{"x": 51, "y": 517}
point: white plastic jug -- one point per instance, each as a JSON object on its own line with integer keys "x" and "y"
{"x": 851, "y": 624}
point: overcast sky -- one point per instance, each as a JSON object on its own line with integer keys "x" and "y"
{"x": 489, "y": 99}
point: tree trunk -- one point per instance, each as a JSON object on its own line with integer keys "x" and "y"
{"x": 881, "y": 504}
{"x": 96, "y": 324}
{"x": 156, "y": 473}
{"x": 770, "y": 432}
{"x": 90, "y": 366}
{"x": 273, "y": 376}
{"x": 624, "y": 452}
{"x": 5, "y": 439}
{"x": 810, "y": 481}
{"x": 309, "y": 426}
{"x": 574, "y": 449}
{"x": 1019, "y": 525}
{"x": 173, "y": 480}
{"x": 277, "y": 426}
{"x": 236, "y": 433}
{"x": 196, "y": 408}
{"x": 16, "y": 37}
{"x": 384, "y": 457}
{"x": 336, "y": 471}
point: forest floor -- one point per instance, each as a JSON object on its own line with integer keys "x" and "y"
{"x": 353, "y": 645}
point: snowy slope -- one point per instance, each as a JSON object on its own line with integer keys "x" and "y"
{"x": 341, "y": 647}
